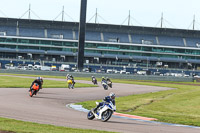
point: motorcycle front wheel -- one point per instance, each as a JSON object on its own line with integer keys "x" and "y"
{"x": 90, "y": 115}
{"x": 106, "y": 115}
{"x": 105, "y": 87}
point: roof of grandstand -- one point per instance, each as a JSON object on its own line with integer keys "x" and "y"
{"x": 30, "y": 23}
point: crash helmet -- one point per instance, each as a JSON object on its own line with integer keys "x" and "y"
{"x": 38, "y": 78}
{"x": 41, "y": 79}
{"x": 103, "y": 78}
{"x": 112, "y": 95}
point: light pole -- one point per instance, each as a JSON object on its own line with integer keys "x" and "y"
{"x": 81, "y": 42}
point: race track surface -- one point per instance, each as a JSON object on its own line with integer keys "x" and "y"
{"x": 49, "y": 107}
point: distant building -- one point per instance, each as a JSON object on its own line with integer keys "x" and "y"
{"x": 105, "y": 44}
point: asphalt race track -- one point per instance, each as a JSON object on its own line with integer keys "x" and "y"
{"x": 49, "y": 107}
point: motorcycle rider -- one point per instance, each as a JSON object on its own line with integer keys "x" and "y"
{"x": 103, "y": 80}
{"x": 109, "y": 98}
{"x": 39, "y": 81}
{"x": 70, "y": 77}
{"x": 108, "y": 79}
{"x": 94, "y": 79}
{"x": 109, "y": 82}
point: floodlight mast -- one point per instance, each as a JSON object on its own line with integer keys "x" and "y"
{"x": 81, "y": 42}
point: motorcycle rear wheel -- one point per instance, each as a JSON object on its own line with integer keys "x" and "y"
{"x": 106, "y": 115}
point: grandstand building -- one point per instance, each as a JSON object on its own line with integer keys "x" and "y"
{"x": 105, "y": 44}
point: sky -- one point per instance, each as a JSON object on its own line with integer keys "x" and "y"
{"x": 176, "y": 13}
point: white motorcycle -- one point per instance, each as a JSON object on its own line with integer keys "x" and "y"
{"x": 103, "y": 113}
{"x": 105, "y": 85}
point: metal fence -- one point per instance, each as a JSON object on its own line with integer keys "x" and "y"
{"x": 99, "y": 75}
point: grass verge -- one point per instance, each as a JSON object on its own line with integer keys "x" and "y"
{"x": 29, "y": 127}
{"x": 16, "y": 82}
{"x": 126, "y": 81}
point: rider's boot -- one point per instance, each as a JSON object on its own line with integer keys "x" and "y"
{"x": 94, "y": 110}
{"x": 96, "y": 116}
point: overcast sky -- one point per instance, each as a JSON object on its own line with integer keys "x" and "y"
{"x": 176, "y": 13}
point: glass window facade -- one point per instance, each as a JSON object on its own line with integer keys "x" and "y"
{"x": 101, "y": 48}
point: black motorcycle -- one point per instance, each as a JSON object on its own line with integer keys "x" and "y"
{"x": 94, "y": 81}
{"x": 109, "y": 83}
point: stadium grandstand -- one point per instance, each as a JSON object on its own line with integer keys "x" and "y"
{"x": 34, "y": 41}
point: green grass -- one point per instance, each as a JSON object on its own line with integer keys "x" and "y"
{"x": 126, "y": 81}
{"x": 181, "y": 105}
{"x": 49, "y": 76}
{"x": 44, "y": 76}
{"x": 16, "y": 82}
{"x": 29, "y": 127}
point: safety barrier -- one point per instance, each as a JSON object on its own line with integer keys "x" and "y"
{"x": 99, "y": 75}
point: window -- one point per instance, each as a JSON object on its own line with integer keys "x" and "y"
{"x": 34, "y": 41}
{"x": 45, "y": 42}
{"x": 23, "y": 41}
{"x": 57, "y": 43}
{"x": 90, "y": 45}
{"x": 70, "y": 44}
{"x": 125, "y": 47}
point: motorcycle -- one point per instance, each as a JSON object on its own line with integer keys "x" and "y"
{"x": 105, "y": 85}
{"x": 70, "y": 84}
{"x": 94, "y": 81}
{"x": 34, "y": 89}
{"x": 109, "y": 84}
{"x": 103, "y": 113}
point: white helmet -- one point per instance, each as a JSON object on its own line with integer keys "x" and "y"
{"x": 112, "y": 95}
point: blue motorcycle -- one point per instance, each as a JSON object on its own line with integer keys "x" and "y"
{"x": 103, "y": 113}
